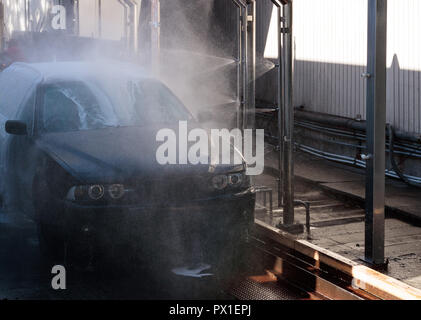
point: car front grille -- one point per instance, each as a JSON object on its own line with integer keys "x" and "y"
{"x": 169, "y": 192}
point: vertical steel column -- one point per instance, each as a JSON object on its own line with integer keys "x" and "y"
{"x": 279, "y": 101}
{"x": 239, "y": 64}
{"x": 99, "y": 18}
{"x": 251, "y": 66}
{"x": 133, "y": 38}
{"x": 28, "y": 16}
{"x": 77, "y": 18}
{"x": 155, "y": 34}
{"x": 126, "y": 21}
{"x": 244, "y": 60}
{"x": 243, "y": 43}
{"x": 376, "y": 123}
{"x": 288, "y": 116}
{"x": 1, "y": 26}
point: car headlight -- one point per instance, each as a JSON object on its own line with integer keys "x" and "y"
{"x": 234, "y": 180}
{"x": 116, "y": 191}
{"x": 220, "y": 182}
{"x": 96, "y": 192}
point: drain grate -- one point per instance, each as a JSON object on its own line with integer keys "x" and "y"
{"x": 252, "y": 290}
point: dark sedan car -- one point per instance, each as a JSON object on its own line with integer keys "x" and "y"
{"x": 78, "y": 154}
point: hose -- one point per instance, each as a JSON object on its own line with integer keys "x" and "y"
{"x": 395, "y": 167}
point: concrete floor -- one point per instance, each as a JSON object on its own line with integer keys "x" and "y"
{"x": 25, "y": 274}
{"x": 339, "y": 226}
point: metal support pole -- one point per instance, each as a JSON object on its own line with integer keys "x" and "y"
{"x": 279, "y": 102}
{"x": 99, "y": 18}
{"x": 376, "y": 123}
{"x": 126, "y": 20}
{"x": 288, "y": 116}
{"x": 239, "y": 68}
{"x": 155, "y": 34}
{"x": 77, "y": 17}
{"x": 27, "y": 15}
{"x": 133, "y": 38}
{"x": 250, "y": 112}
{"x": 243, "y": 62}
{"x": 1, "y": 26}
{"x": 239, "y": 64}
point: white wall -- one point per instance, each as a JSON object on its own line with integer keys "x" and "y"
{"x": 331, "y": 46}
{"x": 112, "y": 19}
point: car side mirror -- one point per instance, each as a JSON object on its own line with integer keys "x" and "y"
{"x": 18, "y": 128}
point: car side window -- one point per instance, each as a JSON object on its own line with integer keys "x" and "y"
{"x": 27, "y": 112}
{"x": 60, "y": 112}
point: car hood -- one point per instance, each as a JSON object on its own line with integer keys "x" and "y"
{"x": 114, "y": 155}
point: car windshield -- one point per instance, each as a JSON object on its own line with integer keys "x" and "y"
{"x": 74, "y": 106}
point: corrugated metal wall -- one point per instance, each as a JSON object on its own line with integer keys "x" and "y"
{"x": 330, "y": 42}
{"x": 330, "y": 39}
{"x": 330, "y": 54}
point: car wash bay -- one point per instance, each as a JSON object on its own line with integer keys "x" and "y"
{"x": 345, "y": 232}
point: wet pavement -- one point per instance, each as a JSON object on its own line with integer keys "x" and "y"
{"x": 25, "y": 274}
{"x": 337, "y": 216}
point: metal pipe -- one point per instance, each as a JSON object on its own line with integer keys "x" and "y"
{"x": 240, "y": 97}
{"x": 359, "y": 125}
{"x": 241, "y": 116}
{"x": 376, "y": 119}
{"x": 133, "y": 39}
{"x": 392, "y": 158}
{"x": 288, "y": 121}
{"x": 156, "y": 34}
{"x": 250, "y": 112}
{"x": 126, "y": 20}
{"x": 244, "y": 60}
{"x": 239, "y": 69}
{"x": 279, "y": 102}
{"x": 26, "y": 15}
{"x": 77, "y": 18}
{"x": 99, "y": 18}
{"x": 306, "y": 205}
{"x": 1, "y": 26}
{"x": 406, "y": 150}
{"x": 350, "y": 160}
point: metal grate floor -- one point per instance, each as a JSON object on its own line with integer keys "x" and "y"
{"x": 252, "y": 290}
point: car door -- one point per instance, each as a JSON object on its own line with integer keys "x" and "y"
{"x": 18, "y": 85}
{"x": 23, "y": 154}
{"x": 9, "y": 103}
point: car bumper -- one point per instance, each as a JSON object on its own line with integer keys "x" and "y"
{"x": 205, "y": 220}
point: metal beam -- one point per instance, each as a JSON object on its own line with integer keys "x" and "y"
{"x": 239, "y": 64}
{"x": 376, "y": 123}
{"x": 250, "y": 111}
{"x": 288, "y": 115}
{"x": 279, "y": 101}
{"x": 133, "y": 20}
{"x": 155, "y": 34}
{"x": 126, "y": 20}
{"x": 1, "y": 26}
{"x": 99, "y": 18}
{"x": 243, "y": 61}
